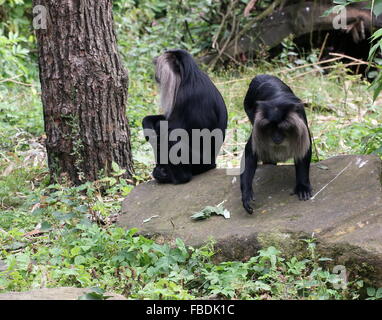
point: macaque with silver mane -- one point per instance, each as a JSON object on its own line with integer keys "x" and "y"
{"x": 280, "y": 132}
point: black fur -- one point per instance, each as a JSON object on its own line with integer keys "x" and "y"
{"x": 198, "y": 105}
{"x": 269, "y": 98}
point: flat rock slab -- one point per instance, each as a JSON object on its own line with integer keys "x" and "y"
{"x": 65, "y": 293}
{"x": 345, "y": 215}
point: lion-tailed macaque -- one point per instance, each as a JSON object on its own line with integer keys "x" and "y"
{"x": 280, "y": 132}
{"x": 190, "y": 103}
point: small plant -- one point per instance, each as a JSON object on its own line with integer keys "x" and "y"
{"x": 94, "y": 294}
{"x": 374, "y": 294}
{"x": 209, "y": 211}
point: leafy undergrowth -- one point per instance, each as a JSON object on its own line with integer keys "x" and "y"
{"x": 57, "y": 235}
{"x": 57, "y": 245}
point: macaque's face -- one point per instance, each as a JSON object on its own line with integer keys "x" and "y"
{"x": 279, "y": 133}
{"x": 276, "y": 124}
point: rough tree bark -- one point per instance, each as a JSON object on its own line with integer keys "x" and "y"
{"x": 84, "y": 90}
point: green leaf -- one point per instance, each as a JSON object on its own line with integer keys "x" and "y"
{"x": 209, "y": 210}
{"x": 333, "y": 10}
{"x": 79, "y": 260}
{"x": 62, "y": 216}
{"x": 46, "y": 226}
{"x": 370, "y": 292}
{"x": 343, "y": 2}
{"x": 376, "y": 86}
{"x": 117, "y": 171}
{"x": 373, "y": 50}
{"x": 377, "y": 9}
{"x": 259, "y": 285}
{"x": 115, "y": 167}
{"x": 75, "y": 251}
{"x": 93, "y": 296}
{"x": 200, "y": 215}
{"x": 377, "y": 34}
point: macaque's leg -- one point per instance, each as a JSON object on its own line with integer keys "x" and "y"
{"x": 303, "y": 188}
{"x": 246, "y": 178}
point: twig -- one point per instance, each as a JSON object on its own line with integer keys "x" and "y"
{"x": 9, "y": 79}
{"x": 310, "y": 64}
{"x": 188, "y": 31}
{"x": 216, "y": 36}
{"x": 324, "y": 187}
{"x": 232, "y": 81}
{"x": 372, "y": 16}
{"x": 284, "y": 70}
{"x": 327, "y": 67}
{"x": 235, "y": 36}
{"x": 262, "y": 15}
{"x": 323, "y": 46}
{"x": 338, "y": 56}
{"x": 349, "y": 57}
{"x": 17, "y": 82}
{"x": 232, "y": 58}
{"x": 22, "y": 83}
{"x": 251, "y": 4}
{"x": 313, "y": 140}
{"x": 221, "y": 51}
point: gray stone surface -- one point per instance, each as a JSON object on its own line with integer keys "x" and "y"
{"x": 345, "y": 216}
{"x": 66, "y": 293}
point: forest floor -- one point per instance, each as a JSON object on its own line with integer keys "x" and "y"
{"x": 62, "y": 235}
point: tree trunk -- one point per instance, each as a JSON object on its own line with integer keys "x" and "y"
{"x": 84, "y": 91}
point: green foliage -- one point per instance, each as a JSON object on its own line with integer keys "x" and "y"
{"x": 16, "y": 41}
{"x": 376, "y": 38}
{"x": 60, "y": 235}
{"x": 147, "y": 27}
{"x": 374, "y": 294}
{"x": 116, "y": 259}
{"x": 373, "y": 141}
{"x": 13, "y": 56}
{"x": 20, "y": 109}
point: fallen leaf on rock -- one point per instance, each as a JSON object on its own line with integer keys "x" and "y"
{"x": 208, "y": 211}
